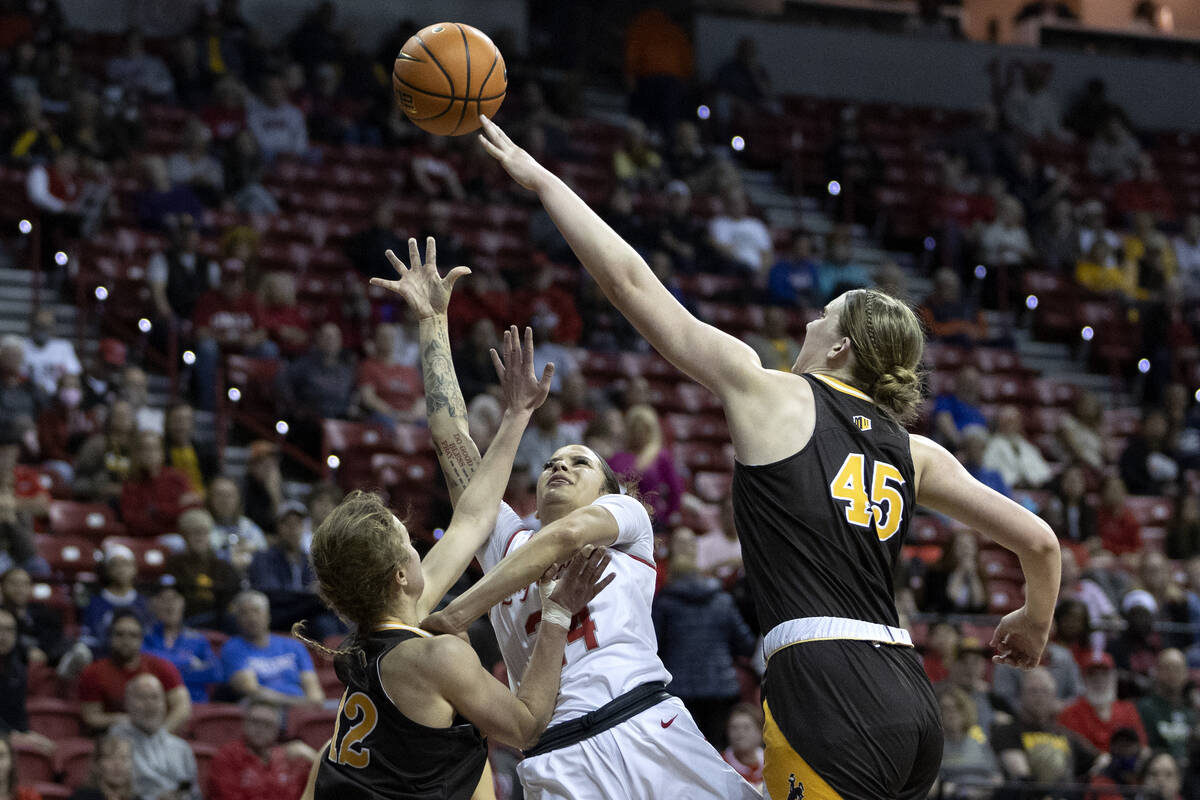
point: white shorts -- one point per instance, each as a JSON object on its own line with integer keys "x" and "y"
{"x": 659, "y": 753}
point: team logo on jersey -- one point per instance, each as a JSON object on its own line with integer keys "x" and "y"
{"x": 863, "y": 423}
{"x": 796, "y": 790}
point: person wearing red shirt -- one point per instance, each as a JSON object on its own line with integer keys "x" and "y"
{"x": 281, "y": 317}
{"x": 1119, "y": 529}
{"x": 255, "y": 766}
{"x": 389, "y": 392}
{"x": 745, "y": 750}
{"x": 1098, "y": 713}
{"x": 226, "y": 319}
{"x": 551, "y": 305}
{"x": 102, "y": 683}
{"x": 1144, "y": 192}
{"x": 154, "y": 495}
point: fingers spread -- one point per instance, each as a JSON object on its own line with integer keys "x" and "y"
{"x": 414, "y": 254}
{"x": 397, "y": 264}
{"x": 430, "y": 251}
{"x": 497, "y": 363}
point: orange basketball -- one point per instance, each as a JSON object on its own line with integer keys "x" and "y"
{"x": 447, "y": 75}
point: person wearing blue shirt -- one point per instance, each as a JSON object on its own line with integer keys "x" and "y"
{"x": 118, "y": 576}
{"x": 955, "y": 411}
{"x": 794, "y": 279}
{"x": 974, "y": 440}
{"x": 262, "y": 666}
{"x": 188, "y": 650}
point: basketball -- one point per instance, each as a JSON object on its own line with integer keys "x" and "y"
{"x": 446, "y": 75}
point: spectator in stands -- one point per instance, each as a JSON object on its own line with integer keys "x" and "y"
{"x": 968, "y": 673}
{"x": 154, "y": 494}
{"x": 974, "y": 445}
{"x": 955, "y": 411}
{"x": 205, "y": 581}
{"x": 322, "y": 499}
{"x": 104, "y": 459}
{"x": 1058, "y": 660}
{"x": 236, "y": 537}
{"x": 1030, "y": 107}
{"x": 955, "y": 584}
{"x": 743, "y": 732}
{"x": 180, "y": 276}
{"x": 1135, "y": 648}
{"x": 16, "y": 536}
{"x": 102, "y": 683}
{"x": 256, "y": 765}
{"x": 743, "y": 86}
{"x": 188, "y": 72}
{"x": 14, "y": 719}
{"x": 680, "y": 233}
{"x": 225, "y": 114}
{"x": 1161, "y": 775}
{"x": 244, "y": 167}
{"x": 1113, "y": 155}
{"x": 1125, "y": 756}
{"x": 1091, "y": 109}
{"x": 1098, "y": 713}
{"x": 1166, "y": 712}
{"x": 46, "y": 357}
{"x": 1183, "y": 533}
{"x": 658, "y": 67}
{"x": 1036, "y": 714}
{"x": 1172, "y": 602}
{"x": 775, "y": 347}
{"x": 31, "y": 138}
{"x": 648, "y": 461}
{"x": 545, "y": 435}
{"x": 688, "y": 160}
{"x": 118, "y": 592}
{"x": 949, "y": 317}
{"x": 1148, "y": 464}
{"x": 389, "y": 393}
{"x": 1101, "y": 271}
{"x": 700, "y": 631}
{"x": 1093, "y": 226}
{"x": 189, "y": 651}
{"x": 139, "y": 73}
{"x": 1011, "y": 454}
{"x": 261, "y": 666}
{"x": 1187, "y": 256}
{"x": 226, "y": 319}
{"x": 163, "y": 764}
{"x": 20, "y": 400}
{"x": 263, "y": 490}
{"x": 39, "y": 627}
{"x": 941, "y": 649}
{"x": 1119, "y": 529}
{"x": 718, "y": 552}
{"x": 1144, "y": 192}
{"x": 739, "y": 238}
{"x": 277, "y": 125}
{"x": 636, "y": 163}
{"x": 433, "y": 170}
{"x": 194, "y": 458}
{"x": 103, "y": 373}
{"x": 281, "y": 316}
{"x": 63, "y": 426}
{"x": 1081, "y": 432}
{"x": 367, "y": 247}
{"x": 965, "y": 754}
{"x": 193, "y": 165}
{"x": 793, "y": 280}
{"x": 1068, "y": 511}
{"x": 320, "y": 384}
{"x": 284, "y": 574}
{"x": 111, "y": 775}
{"x": 839, "y": 272}
{"x": 1005, "y": 242}
{"x": 1056, "y": 238}
{"x": 134, "y": 388}
{"x": 162, "y": 205}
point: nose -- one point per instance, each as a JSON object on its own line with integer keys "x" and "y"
{"x": 558, "y": 466}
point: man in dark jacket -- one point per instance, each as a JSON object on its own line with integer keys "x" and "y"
{"x": 699, "y": 633}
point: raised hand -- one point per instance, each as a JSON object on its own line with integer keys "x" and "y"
{"x": 426, "y": 292}
{"x": 519, "y": 386}
{"x": 580, "y": 580}
{"x": 1019, "y": 641}
{"x": 523, "y": 167}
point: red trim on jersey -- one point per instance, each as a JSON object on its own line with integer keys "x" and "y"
{"x": 649, "y": 564}
{"x": 508, "y": 544}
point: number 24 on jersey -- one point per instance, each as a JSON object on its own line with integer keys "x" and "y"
{"x": 883, "y": 508}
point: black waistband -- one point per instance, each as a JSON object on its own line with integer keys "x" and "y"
{"x": 614, "y": 712}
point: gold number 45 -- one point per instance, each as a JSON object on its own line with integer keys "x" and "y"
{"x": 863, "y": 510}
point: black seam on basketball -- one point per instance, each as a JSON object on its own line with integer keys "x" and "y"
{"x": 449, "y": 80}
{"x": 447, "y": 96}
{"x": 467, "y": 91}
{"x": 486, "y": 78}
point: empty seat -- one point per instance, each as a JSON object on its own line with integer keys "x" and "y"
{"x": 93, "y": 521}
{"x": 216, "y": 722}
{"x": 32, "y": 763}
{"x": 67, "y": 555}
{"x": 54, "y": 717}
{"x": 73, "y": 760}
{"x": 150, "y": 555}
{"x": 313, "y": 726}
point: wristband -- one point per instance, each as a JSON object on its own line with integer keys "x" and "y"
{"x": 555, "y": 614}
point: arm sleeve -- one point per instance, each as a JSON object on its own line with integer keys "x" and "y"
{"x": 37, "y": 185}
{"x": 508, "y": 525}
{"x": 89, "y": 686}
{"x": 166, "y": 672}
{"x": 634, "y": 533}
{"x": 233, "y": 658}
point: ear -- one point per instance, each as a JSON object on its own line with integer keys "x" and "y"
{"x": 840, "y": 350}
{"x": 401, "y": 578}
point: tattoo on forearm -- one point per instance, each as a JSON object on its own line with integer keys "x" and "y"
{"x": 458, "y": 461}
{"x": 442, "y": 394}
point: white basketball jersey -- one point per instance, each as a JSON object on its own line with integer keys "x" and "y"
{"x": 611, "y": 646}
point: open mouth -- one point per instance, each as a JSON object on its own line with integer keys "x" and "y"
{"x": 557, "y": 481}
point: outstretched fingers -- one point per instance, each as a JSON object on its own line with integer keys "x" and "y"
{"x": 414, "y": 254}
{"x": 498, "y": 364}
{"x": 396, "y": 263}
{"x": 430, "y": 252}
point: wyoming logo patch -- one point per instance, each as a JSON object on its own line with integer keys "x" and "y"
{"x": 863, "y": 423}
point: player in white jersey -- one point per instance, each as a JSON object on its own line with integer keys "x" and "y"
{"x": 616, "y": 731}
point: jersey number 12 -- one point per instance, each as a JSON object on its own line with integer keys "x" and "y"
{"x": 883, "y": 508}
{"x": 350, "y": 752}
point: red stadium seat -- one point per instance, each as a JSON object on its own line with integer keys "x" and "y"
{"x": 67, "y": 555}
{"x": 204, "y": 753}
{"x": 49, "y": 791}
{"x": 216, "y": 722}
{"x": 73, "y": 760}
{"x": 1150, "y": 510}
{"x": 151, "y": 556}
{"x": 54, "y": 717}
{"x": 1004, "y": 596}
{"x": 1001, "y": 564}
{"x": 313, "y": 726}
{"x": 93, "y": 521}
{"x": 330, "y": 683}
{"x": 254, "y": 378}
{"x": 33, "y": 764}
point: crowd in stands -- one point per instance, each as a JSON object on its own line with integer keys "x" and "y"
{"x": 205, "y": 182}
